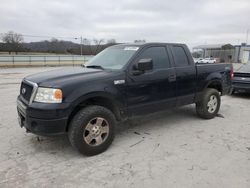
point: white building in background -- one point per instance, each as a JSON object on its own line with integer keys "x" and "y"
{"x": 243, "y": 53}
{"x": 224, "y": 52}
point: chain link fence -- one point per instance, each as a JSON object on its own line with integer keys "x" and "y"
{"x": 42, "y": 60}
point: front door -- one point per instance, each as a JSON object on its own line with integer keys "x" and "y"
{"x": 155, "y": 89}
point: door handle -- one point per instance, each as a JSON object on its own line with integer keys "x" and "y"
{"x": 172, "y": 78}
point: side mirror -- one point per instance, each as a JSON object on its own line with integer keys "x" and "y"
{"x": 142, "y": 66}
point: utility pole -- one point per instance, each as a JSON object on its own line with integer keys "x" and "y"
{"x": 81, "y": 45}
{"x": 247, "y": 36}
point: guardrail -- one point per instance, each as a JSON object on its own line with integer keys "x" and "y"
{"x": 42, "y": 60}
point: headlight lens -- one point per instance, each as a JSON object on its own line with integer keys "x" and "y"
{"x": 48, "y": 95}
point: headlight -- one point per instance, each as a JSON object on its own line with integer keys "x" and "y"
{"x": 48, "y": 95}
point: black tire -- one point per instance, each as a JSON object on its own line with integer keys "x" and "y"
{"x": 202, "y": 108}
{"x": 78, "y": 126}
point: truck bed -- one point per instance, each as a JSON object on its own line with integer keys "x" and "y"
{"x": 219, "y": 71}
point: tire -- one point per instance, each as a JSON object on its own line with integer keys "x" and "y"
{"x": 83, "y": 131}
{"x": 206, "y": 107}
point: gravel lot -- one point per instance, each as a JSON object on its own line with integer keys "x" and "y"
{"x": 168, "y": 149}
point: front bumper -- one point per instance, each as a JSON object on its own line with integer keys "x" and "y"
{"x": 42, "y": 119}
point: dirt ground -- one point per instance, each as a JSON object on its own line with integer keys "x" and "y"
{"x": 168, "y": 149}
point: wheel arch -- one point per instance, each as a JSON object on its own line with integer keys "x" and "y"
{"x": 214, "y": 80}
{"x": 215, "y": 84}
{"x": 104, "y": 99}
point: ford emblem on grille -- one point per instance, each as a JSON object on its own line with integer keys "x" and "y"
{"x": 23, "y": 91}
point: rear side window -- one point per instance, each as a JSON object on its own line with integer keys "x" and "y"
{"x": 180, "y": 56}
{"x": 158, "y": 55}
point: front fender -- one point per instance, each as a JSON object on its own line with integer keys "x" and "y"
{"x": 103, "y": 94}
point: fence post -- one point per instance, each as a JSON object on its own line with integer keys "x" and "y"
{"x": 44, "y": 60}
{"x": 59, "y": 60}
{"x": 30, "y": 59}
{"x": 73, "y": 60}
{"x": 13, "y": 60}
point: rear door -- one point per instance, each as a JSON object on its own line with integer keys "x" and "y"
{"x": 185, "y": 75}
{"x": 155, "y": 89}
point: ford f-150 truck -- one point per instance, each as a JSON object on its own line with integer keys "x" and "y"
{"x": 122, "y": 81}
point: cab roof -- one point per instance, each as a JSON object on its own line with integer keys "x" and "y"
{"x": 147, "y": 44}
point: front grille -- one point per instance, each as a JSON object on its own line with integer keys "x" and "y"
{"x": 26, "y": 91}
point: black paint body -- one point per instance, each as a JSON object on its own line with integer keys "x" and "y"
{"x": 151, "y": 91}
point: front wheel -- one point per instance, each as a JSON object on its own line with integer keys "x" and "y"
{"x": 209, "y": 104}
{"x": 91, "y": 130}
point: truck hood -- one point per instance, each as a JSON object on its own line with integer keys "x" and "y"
{"x": 60, "y": 77}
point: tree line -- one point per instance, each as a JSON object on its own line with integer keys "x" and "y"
{"x": 14, "y": 43}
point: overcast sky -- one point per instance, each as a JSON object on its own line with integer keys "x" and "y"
{"x": 188, "y": 21}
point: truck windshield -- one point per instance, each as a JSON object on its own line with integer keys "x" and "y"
{"x": 113, "y": 57}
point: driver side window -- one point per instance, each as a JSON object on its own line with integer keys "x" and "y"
{"x": 158, "y": 55}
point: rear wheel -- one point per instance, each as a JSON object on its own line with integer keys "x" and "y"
{"x": 209, "y": 104}
{"x": 91, "y": 130}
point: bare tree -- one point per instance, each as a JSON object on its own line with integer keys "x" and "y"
{"x": 13, "y": 41}
{"x": 57, "y": 46}
{"x": 53, "y": 45}
{"x": 111, "y": 41}
{"x": 97, "y": 44}
{"x": 86, "y": 46}
{"x": 140, "y": 41}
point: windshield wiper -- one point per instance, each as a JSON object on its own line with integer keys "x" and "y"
{"x": 95, "y": 67}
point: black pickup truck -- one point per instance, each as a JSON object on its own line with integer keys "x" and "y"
{"x": 122, "y": 81}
